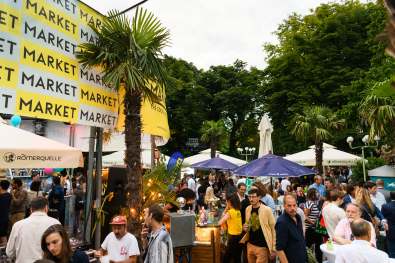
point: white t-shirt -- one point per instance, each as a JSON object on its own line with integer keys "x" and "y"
{"x": 332, "y": 215}
{"x": 284, "y": 183}
{"x": 192, "y": 184}
{"x": 120, "y": 249}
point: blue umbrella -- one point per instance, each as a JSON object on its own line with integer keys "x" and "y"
{"x": 272, "y": 165}
{"x": 215, "y": 163}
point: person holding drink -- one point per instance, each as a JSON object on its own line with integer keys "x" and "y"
{"x": 259, "y": 227}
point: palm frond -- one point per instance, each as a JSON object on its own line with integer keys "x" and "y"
{"x": 129, "y": 52}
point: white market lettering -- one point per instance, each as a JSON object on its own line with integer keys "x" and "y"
{"x": 52, "y": 109}
{"x": 49, "y": 61}
{"x": 24, "y": 157}
{"x": 52, "y": 17}
{"x": 97, "y": 117}
{"x": 49, "y": 84}
{"x": 50, "y": 38}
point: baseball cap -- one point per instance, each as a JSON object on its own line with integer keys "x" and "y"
{"x": 119, "y": 220}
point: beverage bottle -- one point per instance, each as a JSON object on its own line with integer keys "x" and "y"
{"x": 329, "y": 244}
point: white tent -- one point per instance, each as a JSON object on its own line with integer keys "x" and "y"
{"x": 382, "y": 171}
{"x": 117, "y": 158}
{"x": 206, "y": 154}
{"x": 331, "y": 157}
{"x": 23, "y": 149}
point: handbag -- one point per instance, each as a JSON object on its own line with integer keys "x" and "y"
{"x": 320, "y": 227}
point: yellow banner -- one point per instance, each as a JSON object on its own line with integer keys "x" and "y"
{"x": 154, "y": 117}
{"x": 40, "y": 76}
{"x": 32, "y": 105}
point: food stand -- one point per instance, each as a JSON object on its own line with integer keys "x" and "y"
{"x": 207, "y": 247}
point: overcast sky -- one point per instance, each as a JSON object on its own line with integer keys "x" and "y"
{"x": 217, "y": 32}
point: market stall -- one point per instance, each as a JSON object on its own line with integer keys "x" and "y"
{"x": 23, "y": 149}
{"x": 330, "y": 157}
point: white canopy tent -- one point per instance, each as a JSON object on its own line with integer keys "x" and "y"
{"x": 117, "y": 158}
{"x": 206, "y": 154}
{"x": 382, "y": 171}
{"x": 331, "y": 157}
{"x": 23, "y": 149}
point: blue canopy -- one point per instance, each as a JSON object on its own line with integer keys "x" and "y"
{"x": 272, "y": 165}
{"x": 215, "y": 163}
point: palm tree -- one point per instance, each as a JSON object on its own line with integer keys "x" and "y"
{"x": 316, "y": 124}
{"x": 213, "y": 132}
{"x": 378, "y": 109}
{"x": 130, "y": 55}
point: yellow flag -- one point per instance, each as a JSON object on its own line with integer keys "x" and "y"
{"x": 153, "y": 117}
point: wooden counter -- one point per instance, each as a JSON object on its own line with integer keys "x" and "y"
{"x": 207, "y": 247}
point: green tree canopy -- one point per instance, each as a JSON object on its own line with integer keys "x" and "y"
{"x": 329, "y": 57}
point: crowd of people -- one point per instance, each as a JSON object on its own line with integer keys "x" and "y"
{"x": 292, "y": 219}
{"x": 32, "y": 226}
{"x": 287, "y": 220}
{"x": 41, "y": 238}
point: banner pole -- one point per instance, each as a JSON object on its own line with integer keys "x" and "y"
{"x": 98, "y": 179}
{"x": 89, "y": 187}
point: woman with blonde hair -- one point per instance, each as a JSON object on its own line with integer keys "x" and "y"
{"x": 369, "y": 211}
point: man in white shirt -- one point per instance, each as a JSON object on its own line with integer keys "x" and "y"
{"x": 360, "y": 250}
{"x": 332, "y": 213}
{"x": 284, "y": 183}
{"x": 119, "y": 245}
{"x": 191, "y": 182}
{"x": 24, "y": 243}
{"x": 378, "y": 198}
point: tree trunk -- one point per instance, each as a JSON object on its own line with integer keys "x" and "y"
{"x": 213, "y": 147}
{"x": 318, "y": 157}
{"x": 134, "y": 188}
{"x": 232, "y": 139}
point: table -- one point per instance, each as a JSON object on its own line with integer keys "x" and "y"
{"x": 330, "y": 255}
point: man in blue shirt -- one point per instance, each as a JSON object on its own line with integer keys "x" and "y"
{"x": 290, "y": 245}
{"x": 318, "y": 185}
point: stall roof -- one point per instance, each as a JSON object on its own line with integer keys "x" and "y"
{"x": 382, "y": 171}
{"x": 331, "y": 157}
{"x": 206, "y": 155}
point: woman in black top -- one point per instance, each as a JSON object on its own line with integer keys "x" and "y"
{"x": 56, "y": 246}
{"x": 5, "y": 202}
